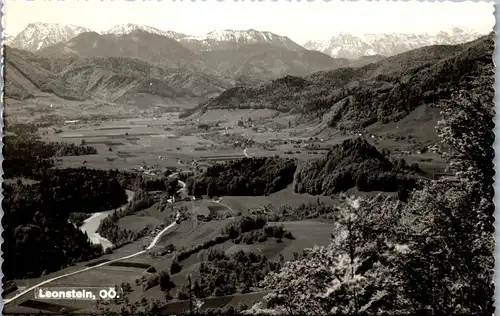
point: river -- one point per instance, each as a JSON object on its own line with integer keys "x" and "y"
{"x": 91, "y": 224}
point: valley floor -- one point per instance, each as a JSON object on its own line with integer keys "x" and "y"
{"x": 152, "y": 145}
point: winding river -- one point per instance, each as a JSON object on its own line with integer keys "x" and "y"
{"x": 91, "y": 224}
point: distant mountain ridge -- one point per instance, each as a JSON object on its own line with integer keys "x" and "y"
{"x": 350, "y": 46}
{"x": 37, "y": 36}
{"x": 385, "y": 91}
{"x": 40, "y": 35}
{"x": 244, "y": 63}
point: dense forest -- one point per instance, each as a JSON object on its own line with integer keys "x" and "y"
{"x": 247, "y": 176}
{"x": 36, "y": 227}
{"x": 355, "y": 162}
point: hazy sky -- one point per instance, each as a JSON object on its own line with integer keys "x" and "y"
{"x": 301, "y": 21}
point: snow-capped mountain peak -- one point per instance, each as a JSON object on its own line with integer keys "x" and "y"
{"x": 387, "y": 44}
{"x": 122, "y": 29}
{"x": 39, "y": 35}
{"x": 7, "y": 38}
{"x": 216, "y": 38}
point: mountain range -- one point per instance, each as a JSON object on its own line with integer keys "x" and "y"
{"x": 40, "y": 35}
{"x": 132, "y": 64}
{"x": 351, "y": 46}
{"x": 122, "y": 29}
{"x": 151, "y": 47}
{"x": 231, "y": 39}
{"x": 91, "y": 63}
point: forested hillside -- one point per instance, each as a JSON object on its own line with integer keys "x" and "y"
{"x": 355, "y": 162}
{"x": 150, "y": 47}
{"x": 35, "y": 221}
{"x": 385, "y": 91}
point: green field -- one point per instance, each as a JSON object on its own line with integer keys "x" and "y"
{"x": 283, "y": 197}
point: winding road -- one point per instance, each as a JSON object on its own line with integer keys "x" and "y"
{"x": 153, "y": 243}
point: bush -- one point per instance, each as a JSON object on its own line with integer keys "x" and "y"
{"x": 152, "y": 281}
{"x": 164, "y": 280}
{"x": 175, "y": 267}
{"x": 182, "y": 295}
{"x": 403, "y": 194}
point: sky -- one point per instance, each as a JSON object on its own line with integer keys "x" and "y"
{"x": 300, "y": 21}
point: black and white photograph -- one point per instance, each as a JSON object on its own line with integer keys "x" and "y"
{"x": 248, "y": 158}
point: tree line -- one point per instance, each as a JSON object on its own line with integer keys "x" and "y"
{"x": 247, "y": 176}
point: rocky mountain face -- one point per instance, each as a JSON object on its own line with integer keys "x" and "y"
{"x": 40, "y": 35}
{"x": 232, "y": 39}
{"x": 123, "y": 29}
{"x": 351, "y": 46}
